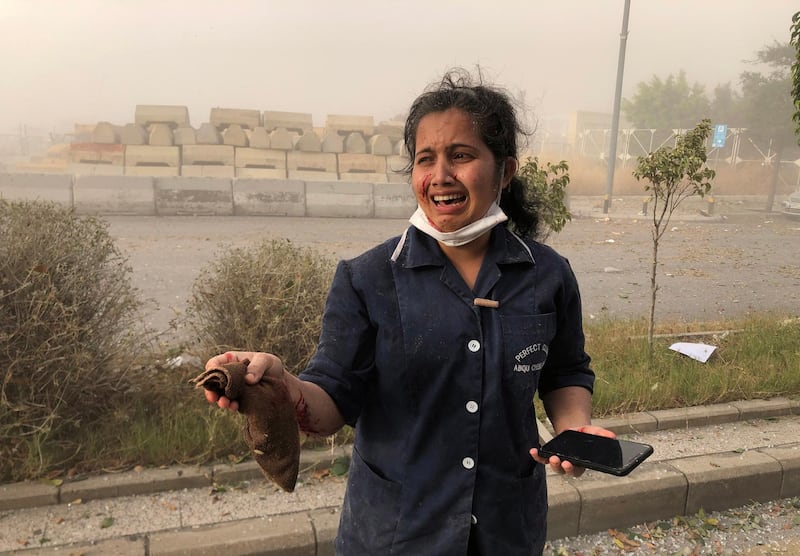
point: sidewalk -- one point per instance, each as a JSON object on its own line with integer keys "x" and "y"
{"x": 232, "y": 509}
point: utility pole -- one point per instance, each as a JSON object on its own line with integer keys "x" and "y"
{"x": 612, "y": 149}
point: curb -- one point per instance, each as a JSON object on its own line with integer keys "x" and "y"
{"x": 592, "y": 503}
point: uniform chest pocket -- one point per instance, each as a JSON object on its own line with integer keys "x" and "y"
{"x": 526, "y": 343}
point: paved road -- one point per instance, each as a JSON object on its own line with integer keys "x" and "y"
{"x": 738, "y": 261}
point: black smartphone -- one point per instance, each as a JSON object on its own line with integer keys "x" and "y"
{"x": 608, "y": 455}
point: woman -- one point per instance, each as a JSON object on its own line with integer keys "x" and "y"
{"x": 433, "y": 345}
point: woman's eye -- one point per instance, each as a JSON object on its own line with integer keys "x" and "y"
{"x": 461, "y": 156}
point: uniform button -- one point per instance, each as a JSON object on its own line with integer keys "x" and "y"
{"x": 468, "y": 463}
{"x": 474, "y": 520}
{"x": 472, "y": 406}
{"x": 474, "y": 345}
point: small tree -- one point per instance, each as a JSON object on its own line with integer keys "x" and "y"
{"x": 673, "y": 174}
{"x": 547, "y": 190}
{"x": 794, "y": 41}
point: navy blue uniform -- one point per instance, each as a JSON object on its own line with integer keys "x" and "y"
{"x": 440, "y": 392}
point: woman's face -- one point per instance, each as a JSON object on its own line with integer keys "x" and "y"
{"x": 455, "y": 175}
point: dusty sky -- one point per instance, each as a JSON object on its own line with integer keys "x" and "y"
{"x": 91, "y": 60}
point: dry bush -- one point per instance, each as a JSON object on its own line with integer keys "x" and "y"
{"x": 68, "y": 321}
{"x": 267, "y": 298}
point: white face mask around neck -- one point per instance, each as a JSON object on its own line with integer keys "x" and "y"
{"x": 468, "y": 233}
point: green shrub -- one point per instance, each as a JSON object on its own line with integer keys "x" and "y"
{"x": 266, "y": 298}
{"x": 68, "y": 332}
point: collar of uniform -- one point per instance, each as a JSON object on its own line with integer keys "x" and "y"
{"x": 422, "y": 250}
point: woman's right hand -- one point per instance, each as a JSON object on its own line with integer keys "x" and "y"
{"x": 260, "y": 364}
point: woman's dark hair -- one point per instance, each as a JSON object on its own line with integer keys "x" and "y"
{"x": 494, "y": 115}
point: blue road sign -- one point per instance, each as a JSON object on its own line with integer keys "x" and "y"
{"x": 720, "y": 134}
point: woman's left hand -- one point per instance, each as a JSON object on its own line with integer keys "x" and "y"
{"x": 565, "y": 467}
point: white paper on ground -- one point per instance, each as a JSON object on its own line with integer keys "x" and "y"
{"x": 699, "y": 352}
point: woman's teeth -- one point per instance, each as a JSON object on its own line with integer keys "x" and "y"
{"x": 448, "y": 199}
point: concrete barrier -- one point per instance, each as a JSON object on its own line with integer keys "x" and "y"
{"x": 221, "y": 118}
{"x": 184, "y": 136}
{"x": 114, "y": 195}
{"x": 392, "y": 128}
{"x": 234, "y": 135}
{"x": 394, "y": 169}
{"x": 380, "y": 145}
{"x": 97, "y": 153}
{"x": 345, "y": 124}
{"x": 95, "y": 170}
{"x": 160, "y": 135}
{"x": 354, "y": 143}
{"x": 308, "y": 142}
{"x": 258, "y": 138}
{"x": 247, "y": 157}
{"x": 208, "y": 171}
{"x": 175, "y": 116}
{"x": 332, "y": 142}
{"x": 269, "y": 197}
{"x": 215, "y": 155}
{"x": 207, "y": 134}
{"x": 297, "y": 122}
{"x": 54, "y": 188}
{"x": 186, "y": 195}
{"x": 280, "y": 138}
{"x": 339, "y": 199}
{"x": 316, "y": 162}
{"x": 152, "y": 171}
{"x": 133, "y": 134}
{"x": 393, "y": 200}
{"x": 147, "y": 155}
{"x": 105, "y": 133}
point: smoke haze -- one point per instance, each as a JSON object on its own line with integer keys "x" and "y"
{"x": 91, "y": 60}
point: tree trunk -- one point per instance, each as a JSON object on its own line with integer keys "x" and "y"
{"x": 653, "y": 289}
{"x": 773, "y": 182}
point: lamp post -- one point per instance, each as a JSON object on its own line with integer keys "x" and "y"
{"x": 612, "y": 148}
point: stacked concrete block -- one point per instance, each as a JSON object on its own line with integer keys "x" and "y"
{"x": 83, "y": 157}
{"x": 160, "y": 135}
{"x": 258, "y": 138}
{"x": 221, "y": 118}
{"x": 208, "y": 134}
{"x": 105, "y": 133}
{"x": 332, "y": 142}
{"x": 293, "y": 122}
{"x": 185, "y": 135}
{"x": 133, "y": 134}
{"x": 260, "y": 163}
{"x": 208, "y": 161}
{"x": 149, "y": 160}
{"x": 347, "y": 124}
{"x": 395, "y": 164}
{"x": 279, "y": 138}
{"x": 380, "y": 145}
{"x": 392, "y": 129}
{"x": 235, "y": 136}
{"x": 174, "y": 116}
{"x": 315, "y": 166}
{"x": 362, "y": 167}
{"x": 308, "y": 142}
{"x": 354, "y": 143}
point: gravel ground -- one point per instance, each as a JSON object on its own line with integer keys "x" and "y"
{"x": 770, "y": 528}
{"x": 732, "y": 532}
